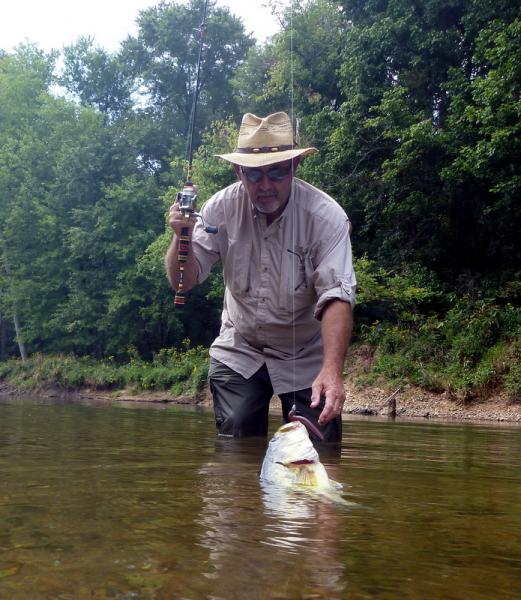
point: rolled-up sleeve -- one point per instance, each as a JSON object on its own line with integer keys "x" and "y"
{"x": 334, "y": 276}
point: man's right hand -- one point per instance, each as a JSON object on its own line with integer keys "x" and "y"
{"x": 177, "y": 220}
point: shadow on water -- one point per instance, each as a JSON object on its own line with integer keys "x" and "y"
{"x": 146, "y": 502}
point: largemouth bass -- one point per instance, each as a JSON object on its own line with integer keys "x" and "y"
{"x": 291, "y": 460}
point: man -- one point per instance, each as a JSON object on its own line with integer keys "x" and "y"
{"x": 286, "y": 256}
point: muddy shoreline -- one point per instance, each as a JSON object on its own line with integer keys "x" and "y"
{"x": 410, "y": 402}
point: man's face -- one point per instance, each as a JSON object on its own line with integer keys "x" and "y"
{"x": 268, "y": 187}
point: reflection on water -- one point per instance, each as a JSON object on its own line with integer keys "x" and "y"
{"x": 145, "y": 502}
{"x": 247, "y": 523}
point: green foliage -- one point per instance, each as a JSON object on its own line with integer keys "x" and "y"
{"x": 485, "y": 133}
{"x": 406, "y": 292}
{"x": 96, "y": 77}
{"x": 512, "y": 377}
{"x": 306, "y": 53}
{"x": 75, "y": 219}
{"x": 474, "y": 349}
{"x": 162, "y": 60}
{"x": 180, "y": 372}
{"x": 422, "y": 151}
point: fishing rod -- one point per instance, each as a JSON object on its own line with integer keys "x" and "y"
{"x": 187, "y": 197}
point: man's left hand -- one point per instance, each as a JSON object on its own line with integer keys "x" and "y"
{"x": 328, "y": 385}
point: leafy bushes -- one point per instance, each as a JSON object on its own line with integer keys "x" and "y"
{"x": 469, "y": 346}
{"x": 180, "y": 372}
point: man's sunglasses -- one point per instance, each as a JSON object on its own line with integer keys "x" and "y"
{"x": 275, "y": 174}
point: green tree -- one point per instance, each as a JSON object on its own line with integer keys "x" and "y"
{"x": 78, "y": 208}
{"x": 484, "y": 129}
{"x": 297, "y": 69}
{"x": 103, "y": 245}
{"x": 387, "y": 148}
{"x": 24, "y": 77}
{"x": 97, "y": 78}
{"x": 163, "y": 57}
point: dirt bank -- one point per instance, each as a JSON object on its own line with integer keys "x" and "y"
{"x": 413, "y": 402}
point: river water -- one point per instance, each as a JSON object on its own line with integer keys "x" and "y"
{"x": 131, "y": 502}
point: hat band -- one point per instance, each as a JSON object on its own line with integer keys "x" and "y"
{"x": 265, "y": 149}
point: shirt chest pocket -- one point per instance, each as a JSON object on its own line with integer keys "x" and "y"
{"x": 296, "y": 281}
{"x": 236, "y": 268}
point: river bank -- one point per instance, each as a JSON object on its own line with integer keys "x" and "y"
{"x": 412, "y": 402}
{"x": 371, "y": 401}
{"x": 179, "y": 377}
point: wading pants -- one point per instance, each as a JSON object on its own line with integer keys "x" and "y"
{"x": 241, "y": 405}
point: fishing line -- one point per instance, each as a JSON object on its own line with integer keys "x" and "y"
{"x": 293, "y": 203}
{"x": 298, "y": 253}
{"x": 197, "y": 89}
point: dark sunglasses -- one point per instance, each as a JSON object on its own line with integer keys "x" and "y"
{"x": 255, "y": 175}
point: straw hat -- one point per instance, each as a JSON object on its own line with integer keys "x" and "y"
{"x": 264, "y": 141}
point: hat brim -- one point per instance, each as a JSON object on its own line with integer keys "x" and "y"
{"x": 263, "y": 159}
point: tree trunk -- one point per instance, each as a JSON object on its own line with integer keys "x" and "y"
{"x": 3, "y": 339}
{"x": 19, "y": 341}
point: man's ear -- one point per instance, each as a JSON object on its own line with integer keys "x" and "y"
{"x": 296, "y": 162}
{"x": 237, "y": 170}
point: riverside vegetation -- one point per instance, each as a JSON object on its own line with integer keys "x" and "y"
{"x": 416, "y": 110}
{"x": 180, "y": 373}
{"x": 472, "y": 354}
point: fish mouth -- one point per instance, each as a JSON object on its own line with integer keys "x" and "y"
{"x": 311, "y": 427}
{"x": 297, "y": 463}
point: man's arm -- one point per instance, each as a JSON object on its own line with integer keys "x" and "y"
{"x": 336, "y": 328}
{"x": 178, "y": 222}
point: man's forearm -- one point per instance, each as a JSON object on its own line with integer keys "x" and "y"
{"x": 336, "y": 329}
{"x": 173, "y": 270}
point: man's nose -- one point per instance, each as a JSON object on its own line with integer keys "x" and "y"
{"x": 265, "y": 181}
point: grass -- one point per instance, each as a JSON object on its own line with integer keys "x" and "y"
{"x": 180, "y": 372}
{"x": 474, "y": 352}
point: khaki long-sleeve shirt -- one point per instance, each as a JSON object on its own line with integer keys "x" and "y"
{"x": 278, "y": 279}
